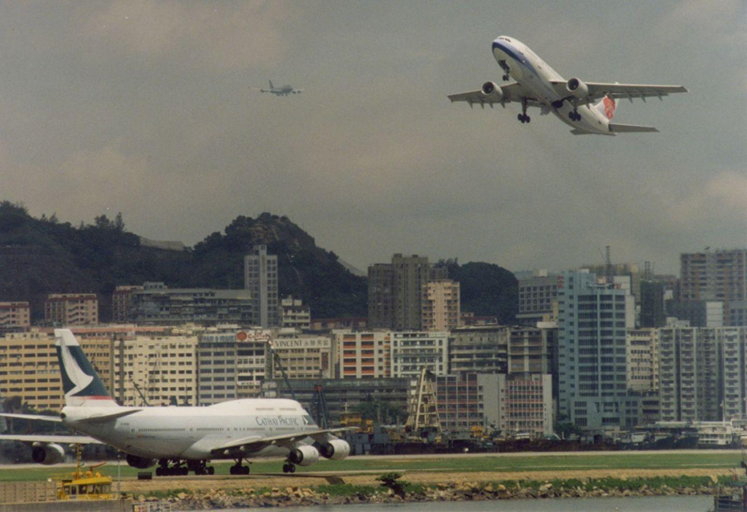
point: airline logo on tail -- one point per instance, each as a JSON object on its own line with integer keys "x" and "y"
{"x": 79, "y": 379}
{"x": 609, "y": 105}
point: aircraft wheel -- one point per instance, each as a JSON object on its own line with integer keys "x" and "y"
{"x": 520, "y": 117}
{"x": 159, "y": 471}
{"x": 292, "y": 468}
{"x": 529, "y": 119}
{"x": 286, "y": 468}
{"x": 211, "y": 470}
{"x": 233, "y": 470}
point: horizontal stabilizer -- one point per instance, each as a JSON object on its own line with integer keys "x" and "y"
{"x": 41, "y": 439}
{"x": 625, "y": 128}
{"x": 111, "y": 416}
{"x": 38, "y": 417}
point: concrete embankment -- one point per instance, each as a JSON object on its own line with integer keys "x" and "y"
{"x": 337, "y": 494}
{"x": 70, "y": 506}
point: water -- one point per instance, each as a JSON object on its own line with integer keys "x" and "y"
{"x": 642, "y": 504}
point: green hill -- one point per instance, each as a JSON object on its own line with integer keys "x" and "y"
{"x": 42, "y": 256}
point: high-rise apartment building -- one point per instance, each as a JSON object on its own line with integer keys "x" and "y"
{"x": 479, "y": 349}
{"x": 397, "y": 292}
{"x": 261, "y": 279}
{"x": 161, "y": 368}
{"x": 719, "y": 275}
{"x": 156, "y": 304}
{"x": 294, "y": 315}
{"x": 643, "y": 360}
{"x": 72, "y": 309}
{"x": 303, "y": 356}
{"x": 364, "y": 355}
{"x": 592, "y": 353}
{"x": 121, "y": 302}
{"x": 442, "y": 306}
{"x": 14, "y": 316}
{"x": 414, "y": 350}
{"x": 538, "y": 298}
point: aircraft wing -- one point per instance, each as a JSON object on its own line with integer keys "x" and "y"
{"x": 597, "y": 90}
{"x": 256, "y": 443}
{"x": 31, "y": 439}
{"x": 38, "y": 417}
{"x": 511, "y": 92}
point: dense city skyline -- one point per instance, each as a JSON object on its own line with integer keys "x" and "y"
{"x": 147, "y": 108}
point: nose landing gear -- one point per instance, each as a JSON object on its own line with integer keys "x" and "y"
{"x": 574, "y": 115}
{"x": 506, "y": 69}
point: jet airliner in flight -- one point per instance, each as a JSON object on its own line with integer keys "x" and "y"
{"x": 283, "y": 90}
{"x": 588, "y": 107}
{"x": 178, "y": 439}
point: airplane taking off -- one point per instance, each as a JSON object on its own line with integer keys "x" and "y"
{"x": 588, "y": 107}
{"x": 178, "y": 439}
{"x": 284, "y": 90}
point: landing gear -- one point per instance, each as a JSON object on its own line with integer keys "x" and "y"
{"x": 574, "y": 115}
{"x": 182, "y": 468}
{"x": 200, "y": 467}
{"x": 176, "y": 469}
{"x": 523, "y": 117}
{"x": 238, "y": 469}
{"x": 289, "y": 468}
{"x": 506, "y": 69}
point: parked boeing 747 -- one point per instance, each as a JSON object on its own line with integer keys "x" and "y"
{"x": 588, "y": 107}
{"x": 178, "y": 439}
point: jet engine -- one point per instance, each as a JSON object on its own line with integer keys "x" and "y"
{"x": 140, "y": 462}
{"x": 492, "y": 92}
{"x": 48, "y": 454}
{"x": 337, "y": 449}
{"x": 304, "y": 455}
{"x": 576, "y": 87}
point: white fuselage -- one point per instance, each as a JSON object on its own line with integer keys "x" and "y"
{"x": 532, "y": 73}
{"x": 191, "y": 433}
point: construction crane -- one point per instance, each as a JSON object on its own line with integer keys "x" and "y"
{"x": 319, "y": 406}
{"x": 277, "y": 362}
{"x": 423, "y": 416}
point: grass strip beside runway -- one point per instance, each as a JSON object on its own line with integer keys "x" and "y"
{"x": 487, "y": 463}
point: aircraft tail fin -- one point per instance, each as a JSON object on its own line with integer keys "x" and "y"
{"x": 629, "y": 128}
{"x": 80, "y": 382}
{"x": 271, "y": 86}
{"x": 607, "y": 107}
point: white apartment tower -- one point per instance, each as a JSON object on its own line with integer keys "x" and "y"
{"x": 261, "y": 279}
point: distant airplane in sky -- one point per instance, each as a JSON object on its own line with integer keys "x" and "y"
{"x": 178, "y": 439}
{"x": 588, "y": 107}
{"x": 284, "y": 90}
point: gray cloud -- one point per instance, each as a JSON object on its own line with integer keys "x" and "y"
{"x": 147, "y": 108}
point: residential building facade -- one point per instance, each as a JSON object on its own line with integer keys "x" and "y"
{"x": 68, "y": 309}
{"x": 261, "y": 280}
{"x": 442, "y": 306}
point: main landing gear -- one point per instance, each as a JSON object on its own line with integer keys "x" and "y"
{"x": 289, "y": 467}
{"x": 182, "y": 468}
{"x": 523, "y": 117}
{"x": 238, "y": 469}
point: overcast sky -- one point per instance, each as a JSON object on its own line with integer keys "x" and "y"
{"x": 147, "y": 108}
